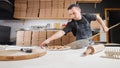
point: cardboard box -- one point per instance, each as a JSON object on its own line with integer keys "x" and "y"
{"x": 30, "y": 3}
{"x": 48, "y": 9}
{"x": 42, "y": 9}
{"x": 45, "y": 0}
{"x": 67, "y": 3}
{"x": 35, "y": 37}
{"x": 20, "y": 1}
{"x": 36, "y": 4}
{"x": 66, "y": 14}
{"x": 20, "y": 38}
{"x": 73, "y": 1}
{"x": 41, "y": 40}
{"x": 60, "y": 13}
{"x": 29, "y": 12}
{"x": 35, "y": 13}
{"x": 42, "y": 34}
{"x": 54, "y": 13}
{"x": 49, "y": 34}
{"x": 20, "y": 8}
{"x": 61, "y": 0}
{"x": 27, "y": 38}
{"x": 60, "y": 5}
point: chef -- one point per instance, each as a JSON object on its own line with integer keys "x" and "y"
{"x": 79, "y": 25}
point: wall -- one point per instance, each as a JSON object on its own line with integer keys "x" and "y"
{"x": 86, "y": 8}
{"x": 90, "y": 8}
{"x": 18, "y": 24}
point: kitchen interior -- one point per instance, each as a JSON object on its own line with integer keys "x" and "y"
{"x": 27, "y": 23}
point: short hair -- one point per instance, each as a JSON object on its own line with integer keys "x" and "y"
{"x": 73, "y": 5}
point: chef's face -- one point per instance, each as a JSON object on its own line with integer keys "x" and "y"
{"x": 75, "y": 13}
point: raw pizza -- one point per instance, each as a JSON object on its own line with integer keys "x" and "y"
{"x": 55, "y": 48}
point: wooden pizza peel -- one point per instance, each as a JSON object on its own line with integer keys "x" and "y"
{"x": 85, "y": 42}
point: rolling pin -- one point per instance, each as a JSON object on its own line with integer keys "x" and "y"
{"x": 94, "y": 49}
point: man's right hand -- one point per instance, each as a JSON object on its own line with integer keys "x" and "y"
{"x": 53, "y": 37}
{"x": 44, "y": 43}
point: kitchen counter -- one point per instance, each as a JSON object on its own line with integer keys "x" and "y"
{"x": 64, "y": 59}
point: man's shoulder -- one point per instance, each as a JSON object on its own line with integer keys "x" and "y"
{"x": 71, "y": 20}
{"x": 87, "y": 14}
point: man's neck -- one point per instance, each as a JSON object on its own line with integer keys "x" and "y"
{"x": 80, "y": 17}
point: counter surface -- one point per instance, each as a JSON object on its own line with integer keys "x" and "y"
{"x": 65, "y": 59}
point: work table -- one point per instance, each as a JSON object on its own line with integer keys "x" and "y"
{"x": 65, "y": 59}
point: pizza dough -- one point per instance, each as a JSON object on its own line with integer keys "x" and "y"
{"x": 55, "y": 48}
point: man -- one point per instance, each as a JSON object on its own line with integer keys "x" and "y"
{"x": 79, "y": 25}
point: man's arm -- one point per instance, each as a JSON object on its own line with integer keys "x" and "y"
{"x": 53, "y": 37}
{"x": 99, "y": 19}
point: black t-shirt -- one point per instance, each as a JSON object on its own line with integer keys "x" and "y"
{"x": 80, "y": 28}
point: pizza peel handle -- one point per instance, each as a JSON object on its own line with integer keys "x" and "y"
{"x": 102, "y": 31}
